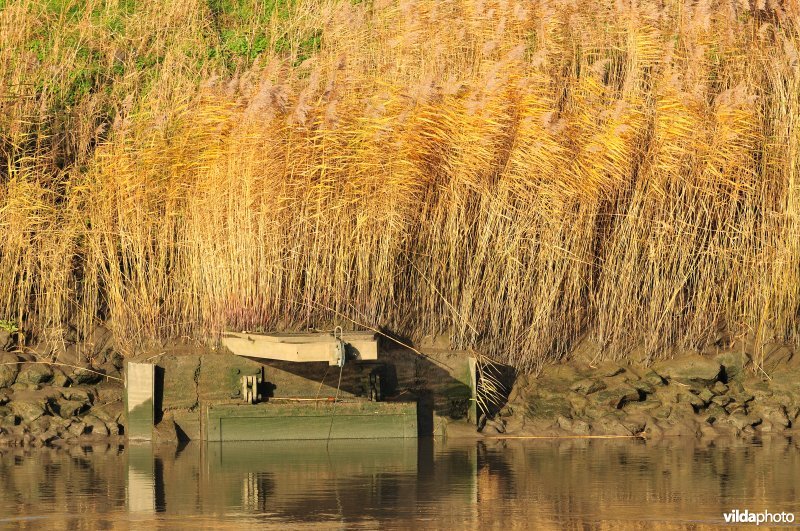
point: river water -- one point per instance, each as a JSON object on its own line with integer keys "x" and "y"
{"x": 454, "y": 484}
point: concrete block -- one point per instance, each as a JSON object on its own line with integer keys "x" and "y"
{"x": 139, "y": 400}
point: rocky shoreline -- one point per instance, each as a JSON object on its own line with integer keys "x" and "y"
{"x": 46, "y": 403}
{"x": 723, "y": 393}
{"x": 692, "y": 395}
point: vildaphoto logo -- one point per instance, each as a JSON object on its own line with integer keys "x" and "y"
{"x": 764, "y": 517}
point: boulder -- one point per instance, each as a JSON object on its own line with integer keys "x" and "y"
{"x": 6, "y": 339}
{"x": 588, "y": 386}
{"x": 574, "y": 426}
{"x": 85, "y": 375}
{"x": 733, "y": 362}
{"x": 616, "y": 396}
{"x": 77, "y": 428}
{"x": 714, "y": 413}
{"x": 705, "y": 395}
{"x": 70, "y": 408}
{"x": 165, "y": 431}
{"x": 610, "y": 424}
{"x": 28, "y": 411}
{"x": 740, "y": 421}
{"x": 34, "y": 373}
{"x": 60, "y": 379}
{"x": 609, "y": 370}
{"x": 96, "y": 426}
{"x": 547, "y": 407}
{"x": 772, "y": 413}
{"x": 719, "y": 388}
{"x": 690, "y": 369}
{"x": 653, "y": 378}
{"x": 643, "y": 386}
{"x": 74, "y": 393}
{"x": 722, "y": 400}
{"x": 110, "y": 412}
{"x": 9, "y": 369}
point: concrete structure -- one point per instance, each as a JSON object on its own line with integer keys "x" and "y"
{"x": 358, "y": 419}
{"x": 140, "y": 400}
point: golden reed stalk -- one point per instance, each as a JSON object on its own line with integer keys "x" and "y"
{"x": 518, "y": 174}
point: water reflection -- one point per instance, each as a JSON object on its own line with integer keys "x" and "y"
{"x": 395, "y": 483}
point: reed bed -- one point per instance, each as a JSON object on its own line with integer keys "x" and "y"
{"x": 518, "y": 175}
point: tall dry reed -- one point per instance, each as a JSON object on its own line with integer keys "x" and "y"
{"x": 517, "y": 174}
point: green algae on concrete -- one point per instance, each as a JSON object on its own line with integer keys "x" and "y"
{"x": 305, "y": 421}
{"x": 139, "y": 400}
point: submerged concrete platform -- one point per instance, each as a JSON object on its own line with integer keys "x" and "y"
{"x": 308, "y": 421}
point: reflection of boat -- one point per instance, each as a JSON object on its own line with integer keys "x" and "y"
{"x": 304, "y": 347}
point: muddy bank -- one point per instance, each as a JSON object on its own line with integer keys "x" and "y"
{"x": 692, "y": 395}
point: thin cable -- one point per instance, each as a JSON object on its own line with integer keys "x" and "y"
{"x": 333, "y": 413}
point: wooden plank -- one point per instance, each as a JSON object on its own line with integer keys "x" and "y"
{"x": 301, "y": 347}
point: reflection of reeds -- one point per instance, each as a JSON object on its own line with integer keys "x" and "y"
{"x": 519, "y": 174}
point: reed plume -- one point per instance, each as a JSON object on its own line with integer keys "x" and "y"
{"x": 519, "y": 175}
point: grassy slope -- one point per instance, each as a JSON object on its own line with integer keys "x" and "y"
{"x": 518, "y": 173}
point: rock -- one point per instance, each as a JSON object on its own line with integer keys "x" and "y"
{"x": 110, "y": 393}
{"x": 714, "y": 413}
{"x": 109, "y": 369}
{"x": 540, "y": 407}
{"x": 588, "y": 386}
{"x": 773, "y": 413}
{"x": 77, "y": 428}
{"x": 733, "y": 363}
{"x": 34, "y": 373}
{"x": 27, "y": 411}
{"x": 648, "y": 406}
{"x": 653, "y": 378}
{"x": 22, "y": 386}
{"x": 109, "y": 413}
{"x": 610, "y": 424}
{"x": 86, "y": 375}
{"x": 9, "y": 369}
{"x": 48, "y": 437}
{"x": 722, "y": 400}
{"x": 5, "y": 397}
{"x": 692, "y": 399}
{"x": 6, "y": 339}
{"x": 643, "y": 386}
{"x": 719, "y": 388}
{"x": 73, "y": 393}
{"x": 165, "y": 431}
{"x": 634, "y": 424}
{"x": 574, "y": 426}
{"x": 739, "y": 420}
{"x": 705, "y": 395}
{"x": 690, "y": 369}
{"x": 60, "y": 379}
{"x": 609, "y": 370}
{"x": 616, "y": 396}
{"x": 95, "y": 426}
{"x": 9, "y": 421}
{"x": 70, "y": 408}
{"x": 40, "y": 424}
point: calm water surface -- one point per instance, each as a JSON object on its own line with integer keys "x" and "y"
{"x": 597, "y": 484}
